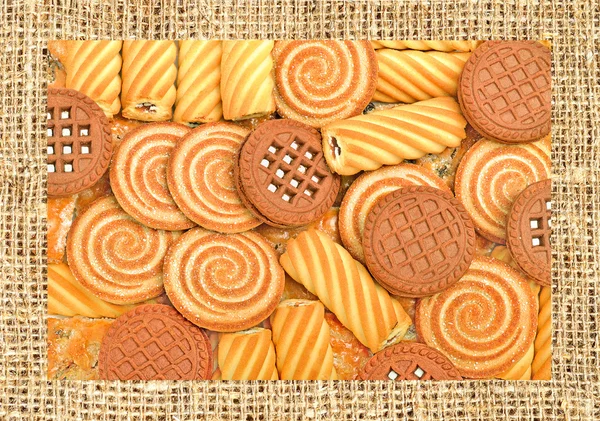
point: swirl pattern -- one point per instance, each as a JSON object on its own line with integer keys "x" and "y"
{"x": 389, "y": 136}
{"x": 541, "y": 366}
{"x": 149, "y": 74}
{"x": 200, "y": 178}
{"x": 138, "y": 176}
{"x": 198, "y": 82}
{"x": 247, "y": 80}
{"x": 490, "y": 177}
{"x": 223, "y": 282}
{"x": 446, "y": 46}
{"x": 410, "y": 76}
{"x": 114, "y": 257}
{"x": 367, "y": 189}
{"x": 247, "y": 355}
{"x": 302, "y": 341}
{"x": 483, "y": 323}
{"x": 93, "y": 68}
{"x": 322, "y": 81}
{"x": 346, "y": 288}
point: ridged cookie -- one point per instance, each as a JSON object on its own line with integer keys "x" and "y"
{"x": 446, "y": 46}
{"x": 541, "y": 366}
{"x": 247, "y": 355}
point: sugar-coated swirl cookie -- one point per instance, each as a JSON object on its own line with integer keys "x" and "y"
{"x": 224, "y": 283}
{"x": 116, "y": 258}
{"x": 490, "y": 177}
{"x": 367, "y": 189}
{"x": 302, "y": 341}
{"x": 484, "y": 322}
{"x": 387, "y": 137}
{"x": 247, "y": 80}
{"x": 200, "y": 178}
{"x": 149, "y": 74}
{"x": 542, "y": 362}
{"x": 409, "y": 76}
{"x": 322, "y": 81}
{"x": 446, "y": 46}
{"x": 247, "y": 355}
{"x": 138, "y": 176}
{"x": 521, "y": 370}
{"x": 93, "y": 68}
{"x": 198, "y": 82}
{"x": 346, "y": 288}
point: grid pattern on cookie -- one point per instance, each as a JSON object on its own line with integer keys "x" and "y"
{"x": 408, "y": 370}
{"x": 424, "y": 242}
{"x": 512, "y": 86}
{"x": 540, "y": 229}
{"x": 69, "y": 140}
{"x": 152, "y": 350}
{"x": 292, "y": 168}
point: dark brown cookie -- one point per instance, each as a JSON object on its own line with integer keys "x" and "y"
{"x": 529, "y": 229}
{"x": 79, "y": 142}
{"x": 418, "y": 241}
{"x": 155, "y": 342}
{"x": 282, "y": 175}
{"x": 409, "y": 361}
{"x": 505, "y": 93}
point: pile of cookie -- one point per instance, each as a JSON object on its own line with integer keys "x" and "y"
{"x": 292, "y": 201}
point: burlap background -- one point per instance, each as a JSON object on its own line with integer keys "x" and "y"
{"x": 572, "y": 26}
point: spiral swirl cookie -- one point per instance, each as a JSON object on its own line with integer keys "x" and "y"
{"x": 138, "y": 176}
{"x": 367, "y": 189}
{"x": 322, "y": 81}
{"x": 115, "y": 257}
{"x": 409, "y": 76}
{"x": 541, "y": 366}
{"x": 483, "y": 323}
{"x": 446, "y": 46}
{"x": 490, "y": 177}
{"x": 223, "y": 282}
{"x": 389, "y": 136}
{"x": 200, "y": 178}
{"x": 247, "y": 355}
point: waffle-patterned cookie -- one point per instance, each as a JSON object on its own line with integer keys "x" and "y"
{"x": 79, "y": 142}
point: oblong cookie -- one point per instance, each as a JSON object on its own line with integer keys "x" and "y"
{"x": 529, "y": 229}
{"x": 282, "y": 174}
{"x": 154, "y": 342}
{"x": 484, "y": 322}
{"x": 418, "y": 241}
{"x": 200, "y": 178}
{"x": 367, "y": 189}
{"x": 116, "y": 258}
{"x": 409, "y": 361}
{"x": 223, "y": 282}
{"x": 490, "y": 177}
{"x": 138, "y": 176}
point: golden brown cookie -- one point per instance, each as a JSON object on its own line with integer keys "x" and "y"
{"x": 247, "y": 355}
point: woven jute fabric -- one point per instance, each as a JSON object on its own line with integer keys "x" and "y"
{"x": 572, "y": 26}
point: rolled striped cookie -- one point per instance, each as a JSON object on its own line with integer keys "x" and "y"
{"x": 247, "y": 355}
{"x": 446, "y": 46}
{"x": 542, "y": 361}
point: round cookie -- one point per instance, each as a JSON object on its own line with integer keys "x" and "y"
{"x": 418, "y": 241}
{"x": 201, "y": 178}
{"x": 409, "y": 361}
{"x": 529, "y": 230}
{"x": 154, "y": 342}
{"x": 79, "y": 142}
{"x": 505, "y": 91}
{"x": 138, "y": 176}
{"x": 282, "y": 175}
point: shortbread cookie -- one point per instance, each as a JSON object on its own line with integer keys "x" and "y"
{"x": 409, "y": 76}
{"x": 199, "y": 82}
{"x": 302, "y": 341}
{"x": 367, "y": 189}
{"x": 541, "y": 367}
{"x": 154, "y": 342}
{"x": 387, "y": 137}
{"x": 224, "y": 283}
{"x": 282, "y": 175}
{"x": 116, "y": 258}
{"x": 247, "y": 355}
{"x": 200, "y": 178}
{"x": 490, "y": 177}
{"x": 484, "y": 322}
{"x": 327, "y": 270}
{"x": 319, "y": 82}
{"x": 505, "y": 91}
{"x": 138, "y": 176}
{"x": 446, "y": 46}
{"x": 247, "y": 79}
{"x": 149, "y": 74}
